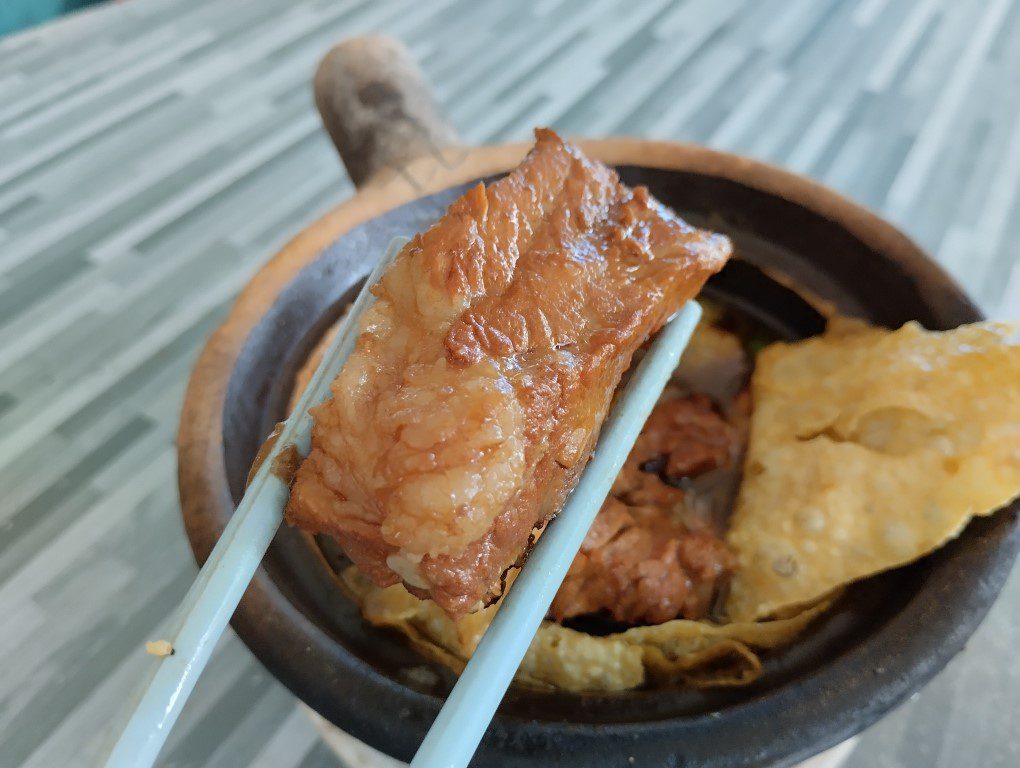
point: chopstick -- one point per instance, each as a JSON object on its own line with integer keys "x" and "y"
{"x": 471, "y": 705}
{"x": 457, "y": 731}
{"x": 221, "y": 582}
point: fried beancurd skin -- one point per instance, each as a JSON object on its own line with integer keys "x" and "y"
{"x": 485, "y": 369}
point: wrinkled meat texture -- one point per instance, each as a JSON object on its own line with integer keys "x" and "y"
{"x": 485, "y": 369}
{"x": 645, "y": 561}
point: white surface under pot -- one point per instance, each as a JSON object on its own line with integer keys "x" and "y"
{"x": 355, "y": 754}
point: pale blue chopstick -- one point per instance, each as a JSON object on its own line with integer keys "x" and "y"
{"x": 457, "y": 730}
{"x": 220, "y": 584}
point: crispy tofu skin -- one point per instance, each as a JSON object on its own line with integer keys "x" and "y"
{"x": 869, "y": 449}
{"x": 485, "y": 369}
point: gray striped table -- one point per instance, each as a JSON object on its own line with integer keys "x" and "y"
{"x": 153, "y": 154}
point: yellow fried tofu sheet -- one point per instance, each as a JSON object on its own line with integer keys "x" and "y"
{"x": 680, "y": 652}
{"x": 869, "y": 449}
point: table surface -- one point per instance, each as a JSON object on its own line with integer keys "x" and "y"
{"x": 153, "y": 154}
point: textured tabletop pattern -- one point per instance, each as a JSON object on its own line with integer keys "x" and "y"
{"x": 154, "y": 154}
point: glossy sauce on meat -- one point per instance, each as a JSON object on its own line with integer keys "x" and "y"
{"x": 651, "y": 556}
{"x": 485, "y": 369}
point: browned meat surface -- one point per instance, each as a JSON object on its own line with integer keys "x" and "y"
{"x": 683, "y": 438}
{"x": 485, "y": 369}
{"x": 645, "y": 560}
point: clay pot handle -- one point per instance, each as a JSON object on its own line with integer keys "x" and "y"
{"x": 377, "y": 107}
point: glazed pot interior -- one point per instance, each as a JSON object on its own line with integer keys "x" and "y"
{"x": 779, "y": 244}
